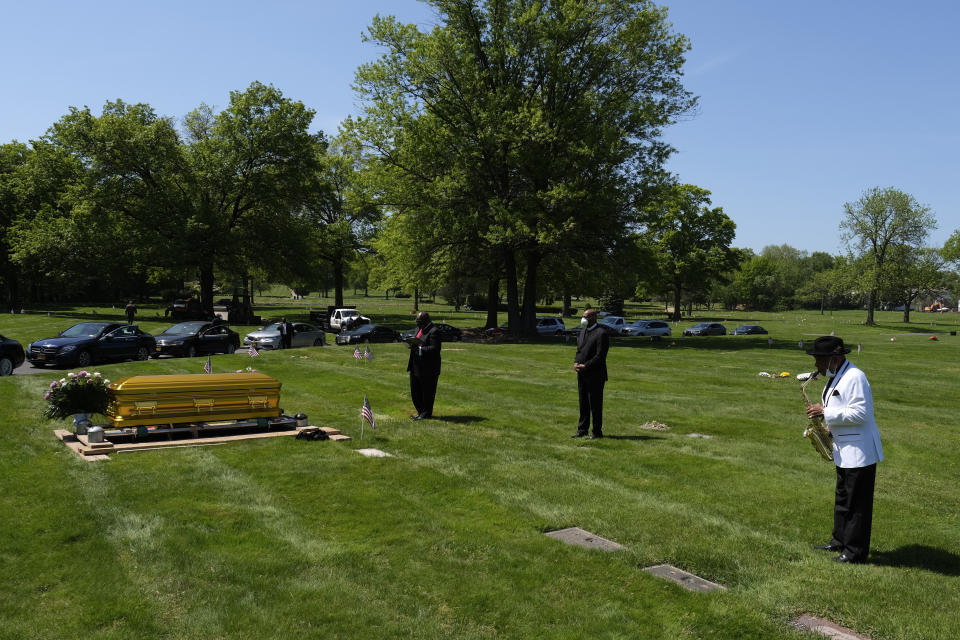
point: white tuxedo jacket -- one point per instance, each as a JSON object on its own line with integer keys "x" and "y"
{"x": 848, "y": 411}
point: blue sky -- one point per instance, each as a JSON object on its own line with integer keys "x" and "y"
{"x": 803, "y": 107}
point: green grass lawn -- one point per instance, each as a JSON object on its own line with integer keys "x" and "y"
{"x": 283, "y": 538}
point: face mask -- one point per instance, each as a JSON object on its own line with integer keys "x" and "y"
{"x": 832, "y": 373}
{"x": 583, "y": 322}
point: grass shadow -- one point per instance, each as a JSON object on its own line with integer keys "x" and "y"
{"x": 613, "y": 437}
{"x": 459, "y": 419}
{"x": 919, "y": 556}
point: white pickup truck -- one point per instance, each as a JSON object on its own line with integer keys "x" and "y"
{"x": 343, "y": 319}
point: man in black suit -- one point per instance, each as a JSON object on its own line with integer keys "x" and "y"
{"x": 590, "y": 363}
{"x": 286, "y": 333}
{"x": 424, "y": 366}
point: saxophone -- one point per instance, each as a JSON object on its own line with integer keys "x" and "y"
{"x": 817, "y": 431}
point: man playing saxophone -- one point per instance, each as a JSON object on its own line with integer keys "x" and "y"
{"x": 847, "y": 409}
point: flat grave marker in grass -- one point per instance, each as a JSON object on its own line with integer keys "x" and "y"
{"x": 827, "y": 628}
{"x": 374, "y": 453}
{"x": 582, "y": 538}
{"x": 685, "y": 579}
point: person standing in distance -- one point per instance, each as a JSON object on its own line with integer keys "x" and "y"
{"x": 286, "y": 333}
{"x": 424, "y": 366}
{"x": 130, "y": 311}
{"x": 847, "y": 410}
{"x": 590, "y": 363}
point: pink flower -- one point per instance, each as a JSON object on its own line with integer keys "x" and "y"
{"x": 46, "y": 396}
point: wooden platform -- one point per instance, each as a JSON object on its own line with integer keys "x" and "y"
{"x": 120, "y": 442}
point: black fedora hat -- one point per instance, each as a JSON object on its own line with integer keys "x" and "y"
{"x": 828, "y": 346}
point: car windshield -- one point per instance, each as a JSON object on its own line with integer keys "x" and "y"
{"x": 84, "y": 330}
{"x": 272, "y": 327}
{"x": 639, "y": 323}
{"x": 183, "y": 329}
{"x": 349, "y": 314}
{"x": 701, "y": 325}
{"x": 364, "y": 329}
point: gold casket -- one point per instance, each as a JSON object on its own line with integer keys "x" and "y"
{"x": 203, "y": 397}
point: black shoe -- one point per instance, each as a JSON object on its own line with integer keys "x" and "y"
{"x": 847, "y": 559}
{"x": 595, "y": 436}
{"x": 828, "y": 547}
{"x": 419, "y": 416}
{"x": 579, "y": 435}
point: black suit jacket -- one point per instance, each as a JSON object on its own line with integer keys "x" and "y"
{"x": 425, "y": 360}
{"x": 592, "y": 347}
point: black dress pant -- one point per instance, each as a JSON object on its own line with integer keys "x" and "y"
{"x": 853, "y": 510}
{"x": 423, "y": 390}
{"x": 591, "y": 405}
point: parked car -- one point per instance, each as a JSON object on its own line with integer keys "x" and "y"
{"x": 88, "y": 342}
{"x": 304, "y": 335}
{"x": 448, "y": 333}
{"x": 748, "y": 329}
{"x": 656, "y": 328}
{"x": 706, "y": 329}
{"x": 614, "y": 322}
{"x": 368, "y": 333}
{"x": 11, "y": 355}
{"x": 346, "y": 319}
{"x": 186, "y": 309}
{"x": 196, "y": 337}
{"x": 548, "y": 326}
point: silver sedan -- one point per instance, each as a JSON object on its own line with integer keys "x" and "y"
{"x": 304, "y": 335}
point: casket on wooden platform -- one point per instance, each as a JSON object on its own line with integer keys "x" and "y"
{"x": 204, "y": 397}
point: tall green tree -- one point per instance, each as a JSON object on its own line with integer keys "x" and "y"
{"x": 535, "y": 119}
{"x": 342, "y": 208}
{"x": 690, "y": 240}
{"x": 874, "y": 226}
{"x": 912, "y": 273}
{"x": 219, "y": 197}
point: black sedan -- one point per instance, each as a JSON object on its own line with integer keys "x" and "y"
{"x": 448, "y": 333}
{"x": 88, "y": 342}
{"x": 197, "y": 337}
{"x": 11, "y": 355}
{"x": 368, "y": 333}
{"x": 706, "y": 329}
{"x": 748, "y": 329}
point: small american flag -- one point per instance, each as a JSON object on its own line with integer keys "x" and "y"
{"x": 367, "y": 413}
{"x": 357, "y": 354}
{"x": 368, "y": 354}
{"x": 253, "y": 351}
{"x": 208, "y": 366}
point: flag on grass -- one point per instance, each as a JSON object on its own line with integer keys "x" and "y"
{"x": 253, "y": 351}
{"x": 368, "y": 354}
{"x": 208, "y": 366}
{"x": 367, "y": 413}
{"x": 357, "y": 354}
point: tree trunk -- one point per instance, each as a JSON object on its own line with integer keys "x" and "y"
{"x": 871, "y": 304}
{"x": 529, "y": 315}
{"x": 565, "y": 310}
{"x": 676, "y": 301}
{"x": 338, "y": 284}
{"x": 513, "y": 306}
{"x": 206, "y": 288}
{"x": 906, "y": 310}
{"x": 493, "y": 302}
{"x": 416, "y": 298}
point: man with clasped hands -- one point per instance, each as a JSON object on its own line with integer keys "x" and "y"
{"x": 424, "y": 366}
{"x": 847, "y": 410}
{"x": 590, "y": 363}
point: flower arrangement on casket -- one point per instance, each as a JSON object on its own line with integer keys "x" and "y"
{"x": 81, "y": 392}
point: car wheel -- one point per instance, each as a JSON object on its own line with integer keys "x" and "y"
{"x": 143, "y": 353}
{"x": 231, "y": 348}
{"x": 318, "y": 342}
{"x": 84, "y": 359}
{"x": 191, "y": 351}
{"x": 6, "y": 366}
